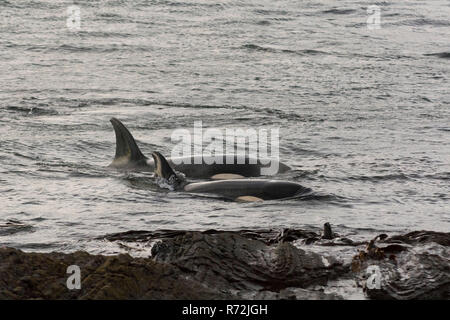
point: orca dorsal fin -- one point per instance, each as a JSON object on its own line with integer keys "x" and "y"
{"x": 162, "y": 167}
{"x": 164, "y": 171}
{"x": 127, "y": 151}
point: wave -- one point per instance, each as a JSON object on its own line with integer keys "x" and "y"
{"x": 305, "y": 52}
{"x": 443, "y": 55}
{"x": 339, "y": 11}
{"x": 400, "y": 176}
{"x": 423, "y": 22}
{"x": 32, "y": 111}
{"x": 91, "y": 48}
{"x": 12, "y": 226}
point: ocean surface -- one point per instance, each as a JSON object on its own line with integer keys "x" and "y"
{"x": 363, "y": 111}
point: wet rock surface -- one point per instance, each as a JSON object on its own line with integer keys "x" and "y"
{"x": 411, "y": 266}
{"x": 44, "y": 276}
{"x": 244, "y": 264}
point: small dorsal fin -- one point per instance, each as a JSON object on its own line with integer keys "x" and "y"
{"x": 127, "y": 150}
{"x": 162, "y": 167}
{"x": 163, "y": 170}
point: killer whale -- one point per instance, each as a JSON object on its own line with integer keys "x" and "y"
{"x": 233, "y": 189}
{"x": 129, "y": 157}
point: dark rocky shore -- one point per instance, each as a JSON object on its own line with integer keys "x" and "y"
{"x": 246, "y": 264}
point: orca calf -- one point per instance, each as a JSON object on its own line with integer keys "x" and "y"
{"x": 233, "y": 189}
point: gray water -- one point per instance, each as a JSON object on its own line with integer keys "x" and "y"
{"x": 363, "y": 114}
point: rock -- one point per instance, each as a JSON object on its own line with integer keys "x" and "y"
{"x": 268, "y": 236}
{"x": 233, "y": 263}
{"x": 243, "y": 264}
{"x": 404, "y": 271}
{"x": 327, "y": 233}
{"x": 43, "y": 276}
{"x": 415, "y": 237}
